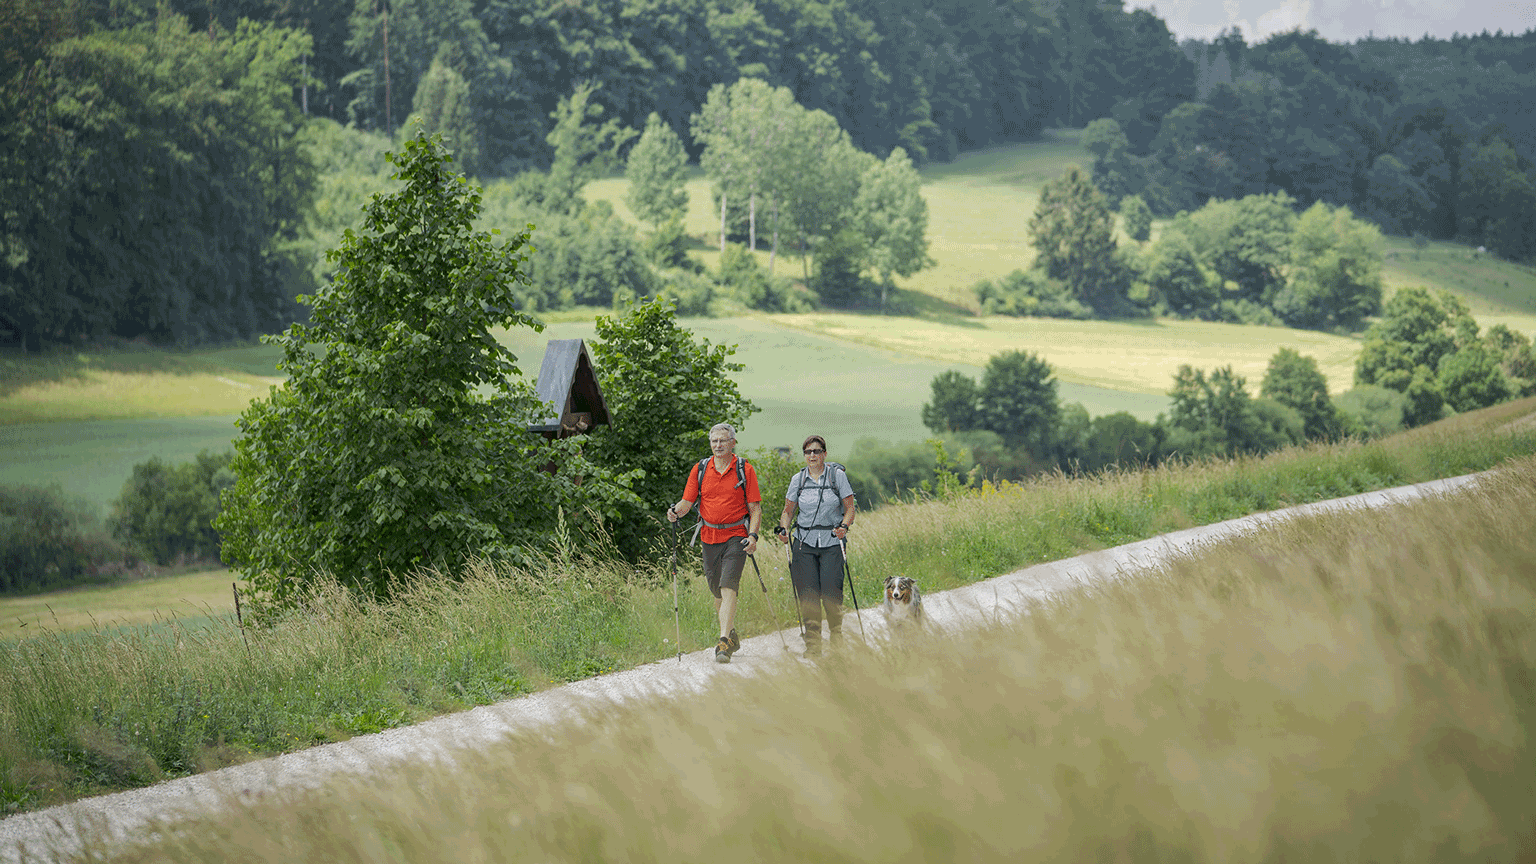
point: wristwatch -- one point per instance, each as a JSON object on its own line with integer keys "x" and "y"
{"x": 752, "y": 534}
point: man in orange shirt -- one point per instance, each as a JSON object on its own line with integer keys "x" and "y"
{"x": 731, "y": 509}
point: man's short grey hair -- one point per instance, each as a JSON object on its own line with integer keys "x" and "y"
{"x": 727, "y": 428}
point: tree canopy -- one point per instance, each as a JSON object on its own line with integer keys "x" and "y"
{"x": 153, "y": 185}
{"x": 667, "y": 391}
{"x": 381, "y": 455}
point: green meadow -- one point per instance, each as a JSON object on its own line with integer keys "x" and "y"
{"x": 92, "y": 459}
{"x": 187, "y": 598}
{"x": 807, "y": 381}
{"x": 83, "y": 419}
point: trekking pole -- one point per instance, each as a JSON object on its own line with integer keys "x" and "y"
{"x": 849, "y": 573}
{"x": 767, "y": 602}
{"x": 789, "y": 562}
{"x": 677, "y": 615}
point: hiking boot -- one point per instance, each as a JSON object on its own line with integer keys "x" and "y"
{"x": 723, "y": 650}
{"x": 735, "y": 641}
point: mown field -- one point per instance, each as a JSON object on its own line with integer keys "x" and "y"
{"x": 805, "y": 380}
{"x": 1248, "y": 703}
{"x": 187, "y": 599}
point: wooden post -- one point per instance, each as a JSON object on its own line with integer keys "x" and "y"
{"x": 235, "y": 586}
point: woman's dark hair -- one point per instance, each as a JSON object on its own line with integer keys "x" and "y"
{"x": 817, "y": 438}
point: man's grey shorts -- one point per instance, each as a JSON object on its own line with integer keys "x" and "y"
{"x": 723, "y": 563}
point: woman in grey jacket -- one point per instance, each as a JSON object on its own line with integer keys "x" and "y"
{"x": 824, "y": 500}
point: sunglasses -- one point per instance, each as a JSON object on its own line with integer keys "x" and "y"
{"x": 812, "y": 452}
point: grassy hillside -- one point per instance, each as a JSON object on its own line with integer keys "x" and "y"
{"x": 806, "y": 380}
{"x": 1131, "y": 356}
{"x": 1497, "y": 292}
{"x": 978, "y": 212}
{"x": 121, "y": 383}
{"x": 189, "y": 598}
{"x": 1264, "y": 669}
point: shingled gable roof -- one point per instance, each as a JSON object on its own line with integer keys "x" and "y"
{"x": 568, "y": 385}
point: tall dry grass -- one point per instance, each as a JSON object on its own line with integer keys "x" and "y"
{"x": 1355, "y": 688}
{"x": 102, "y": 711}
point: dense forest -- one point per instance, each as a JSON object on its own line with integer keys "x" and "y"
{"x": 159, "y": 168}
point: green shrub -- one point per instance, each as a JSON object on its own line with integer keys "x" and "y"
{"x": 668, "y": 248}
{"x": 1371, "y": 411}
{"x": 166, "y": 512}
{"x": 691, "y": 292}
{"x": 48, "y": 541}
{"x": 1032, "y": 293}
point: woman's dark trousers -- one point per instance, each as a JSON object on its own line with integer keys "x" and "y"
{"x": 817, "y": 574}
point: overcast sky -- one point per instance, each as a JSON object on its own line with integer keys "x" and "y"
{"x": 1343, "y": 20}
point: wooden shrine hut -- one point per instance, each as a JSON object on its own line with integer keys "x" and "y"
{"x": 568, "y": 386}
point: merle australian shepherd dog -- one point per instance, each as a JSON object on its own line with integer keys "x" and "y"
{"x": 903, "y": 602}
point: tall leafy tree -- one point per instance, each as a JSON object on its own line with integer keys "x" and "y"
{"x": 1404, "y": 350}
{"x": 665, "y": 391}
{"x": 153, "y": 185}
{"x": 1295, "y": 382}
{"x": 819, "y": 184}
{"x": 1182, "y": 281}
{"x": 656, "y": 170}
{"x": 890, "y": 212}
{"x": 1247, "y": 242}
{"x": 381, "y": 455}
{"x": 1018, "y": 400}
{"x": 1073, "y": 236}
{"x": 747, "y": 130}
{"x": 1335, "y": 273}
{"x": 955, "y": 406}
{"x": 584, "y": 150}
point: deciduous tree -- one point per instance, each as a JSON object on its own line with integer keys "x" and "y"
{"x": 1295, "y": 382}
{"x": 893, "y": 217}
{"x": 381, "y": 455}
{"x": 656, "y": 170}
{"x": 1018, "y": 400}
{"x": 1334, "y": 279}
{"x": 665, "y": 391}
{"x": 955, "y": 406}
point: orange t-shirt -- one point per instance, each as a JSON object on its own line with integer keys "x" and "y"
{"x": 720, "y": 501}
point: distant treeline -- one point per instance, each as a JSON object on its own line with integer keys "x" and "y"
{"x": 1430, "y": 137}
{"x": 155, "y": 181}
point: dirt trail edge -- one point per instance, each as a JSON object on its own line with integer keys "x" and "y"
{"x": 43, "y": 834}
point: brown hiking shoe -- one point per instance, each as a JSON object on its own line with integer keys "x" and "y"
{"x": 723, "y": 650}
{"x": 735, "y": 641}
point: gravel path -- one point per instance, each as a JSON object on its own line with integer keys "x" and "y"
{"x": 436, "y": 739}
